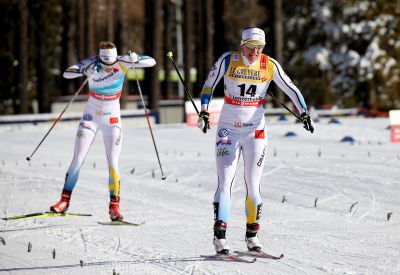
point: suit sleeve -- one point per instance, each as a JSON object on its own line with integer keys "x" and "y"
{"x": 217, "y": 71}
{"x": 284, "y": 82}
{"x": 78, "y": 69}
{"x": 143, "y": 62}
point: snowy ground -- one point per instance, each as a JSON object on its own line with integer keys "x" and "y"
{"x": 326, "y": 239}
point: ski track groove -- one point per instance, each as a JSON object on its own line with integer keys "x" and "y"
{"x": 119, "y": 242}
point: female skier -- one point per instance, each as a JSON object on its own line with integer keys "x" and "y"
{"x": 241, "y": 128}
{"x": 105, "y": 73}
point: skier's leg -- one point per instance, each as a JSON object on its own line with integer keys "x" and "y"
{"x": 227, "y": 150}
{"x": 84, "y": 139}
{"x": 227, "y": 155}
{"x": 254, "y": 153}
{"x": 113, "y": 140}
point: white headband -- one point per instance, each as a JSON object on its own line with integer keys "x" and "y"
{"x": 108, "y": 56}
{"x": 254, "y": 36}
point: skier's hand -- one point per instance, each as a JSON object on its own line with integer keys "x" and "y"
{"x": 91, "y": 70}
{"x": 203, "y": 121}
{"x": 134, "y": 57}
{"x": 307, "y": 122}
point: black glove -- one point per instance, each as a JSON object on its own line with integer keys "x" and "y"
{"x": 307, "y": 122}
{"x": 203, "y": 121}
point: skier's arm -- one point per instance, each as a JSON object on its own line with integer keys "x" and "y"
{"x": 284, "y": 82}
{"x": 79, "y": 69}
{"x": 141, "y": 61}
{"x": 215, "y": 75}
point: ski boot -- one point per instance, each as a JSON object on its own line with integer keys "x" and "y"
{"x": 252, "y": 240}
{"x": 62, "y": 205}
{"x": 220, "y": 244}
{"x": 115, "y": 214}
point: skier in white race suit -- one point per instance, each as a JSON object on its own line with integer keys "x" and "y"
{"x": 241, "y": 128}
{"x": 106, "y": 74}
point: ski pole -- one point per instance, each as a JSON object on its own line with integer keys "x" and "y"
{"x": 58, "y": 119}
{"x": 284, "y": 106}
{"x": 163, "y": 177}
{"x": 169, "y": 54}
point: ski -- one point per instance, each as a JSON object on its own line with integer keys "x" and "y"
{"x": 121, "y": 223}
{"x": 44, "y": 215}
{"x": 260, "y": 254}
{"x": 229, "y": 258}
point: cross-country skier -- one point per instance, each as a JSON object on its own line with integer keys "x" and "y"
{"x": 241, "y": 128}
{"x": 106, "y": 73}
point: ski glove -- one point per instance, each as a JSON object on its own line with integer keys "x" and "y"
{"x": 91, "y": 70}
{"x": 203, "y": 121}
{"x": 133, "y": 57}
{"x": 307, "y": 122}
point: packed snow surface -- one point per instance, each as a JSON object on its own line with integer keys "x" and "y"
{"x": 331, "y": 207}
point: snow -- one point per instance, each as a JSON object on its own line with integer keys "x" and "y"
{"x": 307, "y": 168}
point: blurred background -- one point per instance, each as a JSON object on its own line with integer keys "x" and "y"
{"x": 342, "y": 53}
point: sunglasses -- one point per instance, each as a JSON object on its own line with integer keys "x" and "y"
{"x": 251, "y": 46}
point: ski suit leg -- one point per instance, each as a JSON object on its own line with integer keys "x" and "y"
{"x": 84, "y": 139}
{"x": 254, "y": 152}
{"x": 227, "y": 153}
{"x": 113, "y": 140}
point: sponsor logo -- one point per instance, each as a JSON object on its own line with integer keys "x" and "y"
{"x": 101, "y": 113}
{"x": 222, "y": 152}
{"x": 118, "y": 141}
{"x": 224, "y": 142}
{"x": 263, "y": 62}
{"x": 113, "y": 120}
{"x": 259, "y": 211}
{"x": 87, "y": 117}
{"x": 259, "y": 134}
{"x": 223, "y": 133}
{"x": 235, "y": 57}
{"x": 245, "y": 73}
{"x": 260, "y": 161}
{"x": 112, "y": 69}
{"x": 216, "y": 206}
{"x": 81, "y": 134}
{"x": 103, "y": 78}
{"x": 213, "y": 67}
{"x": 240, "y": 124}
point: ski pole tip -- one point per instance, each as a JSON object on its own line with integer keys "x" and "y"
{"x": 164, "y": 178}
{"x": 28, "y": 158}
{"x": 169, "y": 54}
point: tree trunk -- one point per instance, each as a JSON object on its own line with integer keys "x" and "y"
{"x": 122, "y": 47}
{"x": 187, "y": 42}
{"x": 168, "y": 31}
{"x": 90, "y": 25}
{"x": 110, "y": 20}
{"x": 41, "y": 61}
{"x": 153, "y": 29}
{"x": 68, "y": 48}
{"x": 23, "y": 104}
{"x": 278, "y": 37}
{"x": 81, "y": 29}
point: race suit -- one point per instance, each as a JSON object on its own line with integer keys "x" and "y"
{"x": 241, "y": 126}
{"x": 102, "y": 112}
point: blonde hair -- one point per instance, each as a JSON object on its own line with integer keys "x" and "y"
{"x": 106, "y": 45}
